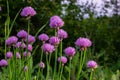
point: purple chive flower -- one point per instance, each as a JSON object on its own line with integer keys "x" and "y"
{"x": 43, "y": 37}
{"x": 42, "y": 65}
{"x": 25, "y": 68}
{"x": 83, "y": 42}
{"x": 47, "y": 48}
{"x": 3, "y": 63}
{"x": 70, "y": 51}
{"x": 22, "y": 34}
{"x": 30, "y": 48}
{"x": 20, "y": 45}
{"x": 54, "y": 40}
{"x": 18, "y": 56}
{"x": 9, "y": 55}
{"x": 28, "y": 11}
{"x": 25, "y": 54}
{"x": 31, "y": 39}
{"x": 56, "y": 22}
{"x": 62, "y": 34}
{"x": 62, "y": 59}
{"x": 92, "y": 64}
{"x": 11, "y": 41}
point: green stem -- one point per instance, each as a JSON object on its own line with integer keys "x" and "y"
{"x": 41, "y": 74}
{"x": 41, "y": 55}
{"x": 82, "y": 61}
{"x": 91, "y": 74}
{"x": 60, "y": 48}
{"x": 20, "y": 67}
{"x": 80, "y": 65}
{"x": 15, "y": 63}
{"x": 10, "y": 70}
{"x": 84, "y": 56}
{"x": 28, "y": 30}
{"x": 38, "y": 74}
{"x": 49, "y": 59}
{"x": 61, "y": 72}
{"x": 55, "y": 64}
{"x": 59, "y": 68}
{"x": 7, "y": 25}
{"x": 69, "y": 69}
{"x": 40, "y": 29}
{"x": 5, "y": 39}
{"x": 47, "y": 67}
{"x": 8, "y": 7}
{"x": 60, "y": 56}
{"x": 26, "y": 74}
{"x": 39, "y": 67}
{"x": 11, "y": 27}
{"x": 30, "y": 63}
{"x": 8, "y": 19}
{"x": 28, "y": 27}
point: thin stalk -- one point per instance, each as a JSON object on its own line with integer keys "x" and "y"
{"x": 27, "y": 75}
{"x": 80, "y": 65}
{"x": 10, "y": 74}
{"x": 28, "y": 30}
{"x": 41, "y": 55}
{"x": 14, "y": 60}
{"x": 60, "y": 56}
{"x": 20, "y": 68}
{"x": 39, "y": 67}
{"x": 38, "y": 73}
{"x": 60, "y": 48}
{"x": 69, "y": 69}
{"x": 49, "y": 59}
{"x": 82, "y": 61}
{"x": 41, "y": 29}
{"x": 55, "y": 32}
{"x": 5, "y": 39}
{"x": 13, "y": 22}
{"x": 91, "y": 74}
{"x": 49, "y": 62}
{"x": 47, "y": 67}
{"x": 59, "y": 68}
{"x": 41, "y": 74}
{"x": 55, "y": 64}
{"x": 84, "y": 56}
{"x": 7, "y": 24}
{"x": 7, "y": 7}
{"x": 61, "y": 72}
{"x": 13, "y": 71}
{"x": 8, "y": 19}
{"x": 30, "y": 63}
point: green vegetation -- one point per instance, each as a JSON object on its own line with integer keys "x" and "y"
{"x": 103, "y": 31}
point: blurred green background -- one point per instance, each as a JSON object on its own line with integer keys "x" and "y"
{"x": 103, "y": 31}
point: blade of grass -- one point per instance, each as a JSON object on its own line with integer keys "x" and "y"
{"x": 13, "y": 22}
{"x": 41, "y": 29}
